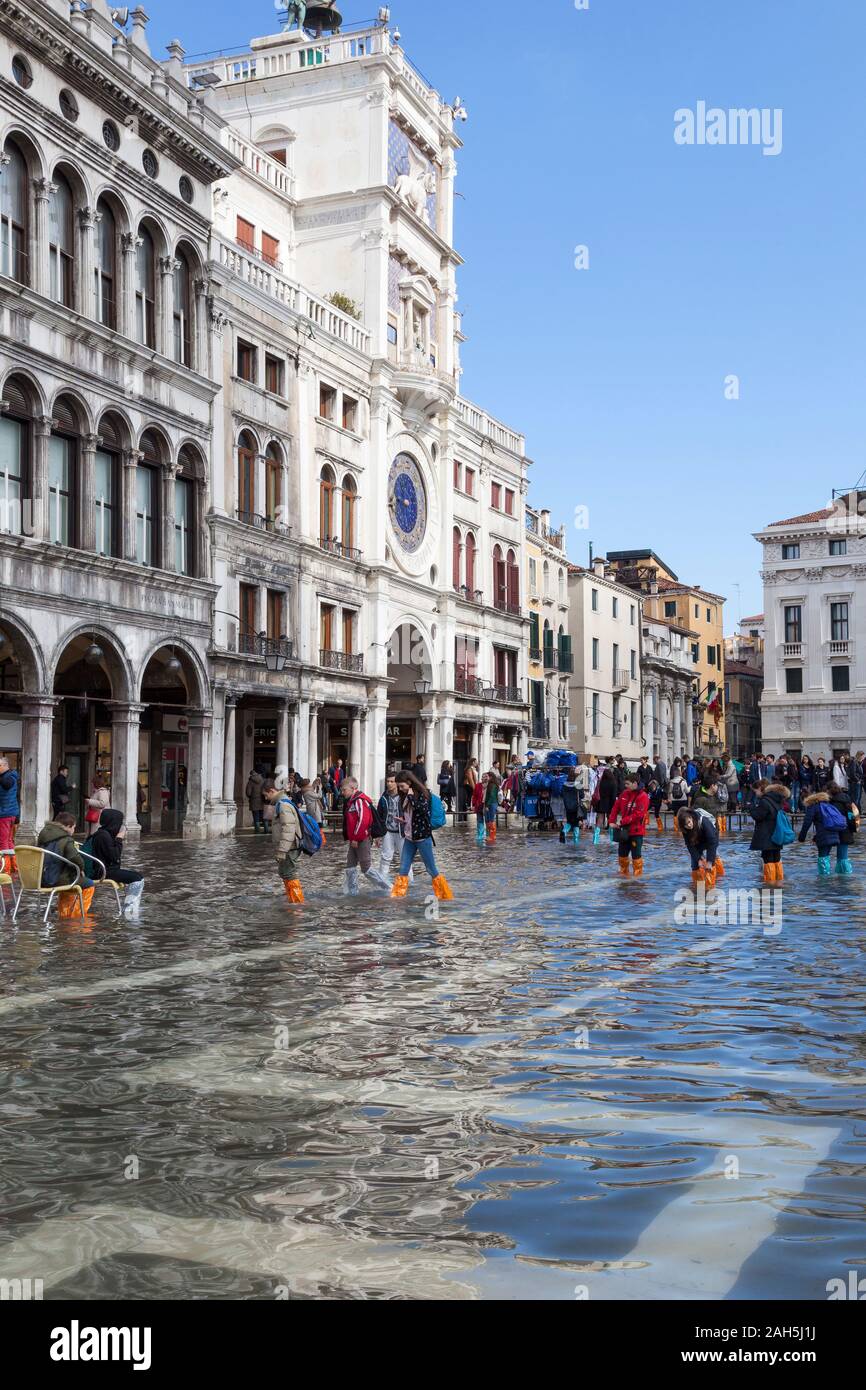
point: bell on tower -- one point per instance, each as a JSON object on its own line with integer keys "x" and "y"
{"x": 314, "y": 20}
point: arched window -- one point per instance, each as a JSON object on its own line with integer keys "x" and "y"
{"x": 471, "y": 556}
{"x": 562, "y": 586}
{"x": 15, "y": 443}
{"x": 546, "y": 580}
{"x": 64, "y": 460}
{"x": 145, "y": 289}
{"x": 274, "y": 487}
{"x": 182, "y": 310}
{"x": 185, "y": 514}
{"x": 327, "y": 519}
{"x": 107, "y": 488}
{"x": 14, "y": 204}
{"x": 350, "y": 510}
{"x": 548, "y": 646}
{"x": 500, "y": 579}
{"x": 513, "y": 582}
{"x": 61, "y": 242}
{"x": 106, "y": 266}
{"x": 247, "y": 453}
{"x": 457, "y": 559}
{"x": 148, "y": 550}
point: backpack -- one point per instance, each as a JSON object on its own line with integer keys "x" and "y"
{"x": 370, "y": 825}
{"x": 438, "y": 818}
{"x": 679, "y": 790}
{"x": 784, "y": 832}
{"x": 311, "y": 834}
{"x": 831, "y": 817}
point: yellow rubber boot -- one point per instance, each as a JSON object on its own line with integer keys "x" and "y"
{"x": 401, "y": 888}
{"x": 442, "y": 889}
{"x": 294, "y": 891}
{"x": 638, "y": 868}
{"x": 623, "y": 867}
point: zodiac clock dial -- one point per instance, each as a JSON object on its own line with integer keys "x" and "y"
{"x": 407, "y": 503}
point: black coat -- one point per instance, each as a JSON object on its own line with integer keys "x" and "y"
{"x": 765, "y": 814}
{"x": 845, "y": 805}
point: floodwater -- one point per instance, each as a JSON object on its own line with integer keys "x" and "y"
{"x": 556, "y": 1090}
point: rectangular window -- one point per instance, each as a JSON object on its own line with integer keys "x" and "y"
{"x": 246, "y": 234}
{"x": 697, "y": 610}
{"x": 246, "y": 484}
{"x": 696, "y": 653}
{"x": 596, "y": 714}
{"x": 838, "y": 548}
{"x": 276, "y": 606}
{"x": 270, "y": 249}
{"x": 841, "y": 679}
{"x": 183, "y": 527}
{"x": 790, "y": 552}
{"x": 496, "y": 496}
{"x": 533, "y": 578}
{"x": 617, "y": 703}
{"x": 105, "y": 486}
{"x": 348, "y": 632}
{"x": 534, "y": 634}
{"x": 616, "y": 665}
{"x": 633, "y": 616}
{"x": 11, "y": 468}
{"x": 711, "y": 656}
{"x": 392, "y": 334}
{"x": 634, "y": 666}
{"x": 327, "y": 402}
{"x": 249, "y": 601}
{"x": 632, "y": 723}
{"x": 509, "y": 502}
{"x": 709, "y": 616}
{"x": 794, "y": 624}
{"x": 794, "y": 682}
{"x": 274, "y": 375}
{"x": 61, "y": 466}
{"x": 839, "y": 622}
{"x": 470, "y": 482}
{"x": 596, "y": 654}
{"x": 247, "y": 361}
{"x": 350, "y": 413}
{"x": 595, "y": 600}
{"x": 671, "y": 609}
{"x": 458, "y": 476}
{"x": 146, "y": 510}
{"x": 327, "y": 628}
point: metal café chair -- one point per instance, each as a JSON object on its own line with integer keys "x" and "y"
{"x": 103, "y": 881}
{"x": 6, "y": 880}
{"x": 31, "y": 862}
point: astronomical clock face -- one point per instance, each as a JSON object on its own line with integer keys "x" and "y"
{"x": 407, "y": 502}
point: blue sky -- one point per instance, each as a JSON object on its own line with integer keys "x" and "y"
{"x": 704, "y": 262}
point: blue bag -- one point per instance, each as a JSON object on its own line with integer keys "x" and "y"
{"x": 784, "y": 832}
{"x": 831, "y": 817}
{"x": 530, "y": 807}
{"x": 438, "y": 818}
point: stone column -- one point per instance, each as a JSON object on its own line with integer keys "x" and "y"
{"x": 88, "y": 223}
{"x": 125, "y": 729}
{"x": 195, "y": 826}
{"x": 486, "y": 746}
{"x": 355, "y": 743}
{"x": 690, "y": 729}
{"x": 230, "y": 753}
{"x": 38, "y": 728}
{"x": 429, "y": 722}
{"x": 125, "y": 292}
{"x": 284, "y": 755}
{"x": 38, "y": 524}
{"x": 169, "y": 477}
{"x": 313, "y": 747}
{"x": 40, "y": 274}
{"x": 200, "y": 353}
{"x": 377, "y": 741}
{"x": 678, "y": 723}
{"x": 166, "y": 266}
{"x": 131, "y": 460}
{"x": 87, "y": 484}
{"x": 664, "y": 702}
{"x": 648, "y": 730}
{"x": 474, "y": 743}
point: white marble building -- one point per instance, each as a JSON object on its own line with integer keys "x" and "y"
{"x": 668, "y": 674}
{"x": 815, "y": 630}
{"x": 605, "y": 690}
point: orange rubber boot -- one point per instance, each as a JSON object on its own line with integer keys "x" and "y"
{"x": 401, "y": 888}
{"x": 442, "y": 889}
{"x": 769, "y": 873}
{"x": 780, "y": 872}
{"x": 74, "y": 904}
{"x": 491, "y": 832}
{"x": 720, "y": 870}
{"x": 294, "y": 891}
{"x": 623, "y": 867}
{"x": 660, "y": 825}
{"x": 638, "y": 868}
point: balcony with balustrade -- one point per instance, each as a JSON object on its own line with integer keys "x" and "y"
{"x": 263, "y": 648}
{"x": 345, "y": 662}
{"x": 340, "y": 550}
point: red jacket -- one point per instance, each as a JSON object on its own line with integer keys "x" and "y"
{"x": 632, "y": 808}
{"x": 478, "y": 797}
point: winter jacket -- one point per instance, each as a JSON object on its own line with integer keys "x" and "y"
{"x": 632, "y": 809}
{"x": 253, "y": 792}
{"x": 678, "y": 791}
{"x": 491, "y": 795}
{"x": 823, "y": 778}
{"x": 826, "y": 837}
{"x": 353, "y": 816}
{"x": 420, "y": 811}
{"x": 288, "y": 829}
{"x": 661, "y": 773}
{"x": 389, "y": 812}
{"x": 607, "y": 791}
{"x": 693, "y": 772}
{"x": 447, "y": 786}
{"x": 478, "y": 795}
{"x": 656, "y": 797}
{"x": 58, "y": 839}
{"x": 765, "y": 813}
{"x": 845, "y": 803}
{"x": 572, "y": 798}
{"x": 105, "y": 843}
{"x": 60, "y": 792}
{"x": 706, "y": 832}
{"x": 808, "y": 781}
{"x": 10, "y": 807}
{"x": 839, "y": 775}
{"x": 644, "y": 776}
{"x": 703, "y": 800}
{"x": 314, "y": 806}
{"x": 731, "y": 778}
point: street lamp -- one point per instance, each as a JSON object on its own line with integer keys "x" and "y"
{"x": 423, "y": 687}
{"x": 275, "y": 657}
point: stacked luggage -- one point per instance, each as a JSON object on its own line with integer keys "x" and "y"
{"x": 543, "y": 785}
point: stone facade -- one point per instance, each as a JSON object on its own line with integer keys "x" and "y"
{"x": 605, "y": 689}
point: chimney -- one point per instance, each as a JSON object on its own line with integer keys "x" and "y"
{"x": 599, "y": 564}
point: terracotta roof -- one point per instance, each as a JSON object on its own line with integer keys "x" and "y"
{"x": 742, "y": 668}
{"x": 673, "y": 625}
{"x": 803, "y": 520}
{"x": 758, "y": 618}
{"x": 667, "y": 587}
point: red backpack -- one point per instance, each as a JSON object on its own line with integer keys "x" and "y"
{"x": 363, "y": 821}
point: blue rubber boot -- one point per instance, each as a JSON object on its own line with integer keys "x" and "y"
{"x": 577, "y": 834}
{"x": 824, "y": 866}
{"x": 481, "y": 834}
{"x": 596, "y": 836}
{"x": 612, "y": 840}
{"x": 844, "y": 866}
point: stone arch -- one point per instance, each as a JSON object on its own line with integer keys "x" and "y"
{"x": 76, "y": 406}
{"x": 157, "y": 441}
{"x": 29, "y": 148}
{"x": 29, "y": 387}
{"x": 74, "y": 176}
{"x": 193, "y": 675}
{"x": 110, "y": 678}
{"x": 117, "y": 426}
{"x": 411, "y": 648}
{"x": 18, "y": 637}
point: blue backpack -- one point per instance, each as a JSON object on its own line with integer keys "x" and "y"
{"x": 311, "y": 834}
{"x": 784, "y": 832}
{"x": 831, "y": 817}
{"x": 438, "y": 817}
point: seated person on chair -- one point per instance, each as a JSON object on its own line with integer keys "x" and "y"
{"x": 57, "y": 836}
{"x": 107, "y": 844}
